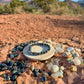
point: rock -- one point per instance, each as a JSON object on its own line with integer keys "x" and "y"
{"x": 58, "y": 45}
{"x": 77, "y": 61}
{"x": 39, "y": 41}
{"x": 71, "y": 58}
{"x": 73, "y": 68}
{"x": 59, "y": 50}
{"x": 62, "y": 68}
{"x": 49, "y": 65}
{"x": 32, "y": 67}
{"x": 81, "y": 59}
{"x": 54, "y": 76}
{"x": 73, "y": 51}
{"x": 78, "y": 50}
{"x": 45, "y": 74}
{"x": 54, "y": 68}
{"x": 56, "y": 61}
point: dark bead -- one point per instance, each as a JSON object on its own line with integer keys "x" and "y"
{"x": 11, "y": 63}
{"x": 14, "y": 77}
{"x": 11, "y": 56}
{"x": 3, "y": 65}
{"x": 4, "y": 75}
{"x": 43, "y": 78}
{"x": 13, "y": 50}
{"x": 7, "y": 62}
{"x": 36, "y": 74}
{"x": 15, "y": 55}
{"x": 9, "y": 68}
{"x": 14, "y": 82}
{"x": 7, "y": 78}
{"x": 36, "y": 70}
{"x": 22, "y": 70}
{"x": 20, "y": 66}
{"x": 20, "y": 48}
{"x": 49, "y": 73}
{"x": 18, "y": 73}
{"x": 14, "y": 72}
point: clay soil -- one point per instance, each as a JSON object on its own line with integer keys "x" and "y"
{"x": 20, "y": 28}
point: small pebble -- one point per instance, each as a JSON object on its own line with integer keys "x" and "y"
{"x": 59, "y": 50}
{"x": 49, "y": 65}
{"x": 73, "y": 68}
{"x": 45, "y": 74}
{"x": 70, "y": 59}
{"x": 32, "y": 68}
{"x": 54, "y": 75}
{"x": 54, "y": 68}
{"x": 62, "y": 68}
{"x": 77, "y": 61}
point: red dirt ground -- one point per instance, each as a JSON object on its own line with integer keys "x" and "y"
{"x": 20, "y": 28}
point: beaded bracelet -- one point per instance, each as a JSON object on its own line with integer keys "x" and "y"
{"x": 40, "y": 44}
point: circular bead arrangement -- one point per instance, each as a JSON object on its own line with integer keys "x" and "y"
{"x": 39, "y": 44}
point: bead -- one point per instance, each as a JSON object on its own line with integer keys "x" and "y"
{"x": 49, "y": 73}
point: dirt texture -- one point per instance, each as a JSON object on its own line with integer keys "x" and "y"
{"x": 19, "y": 28}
